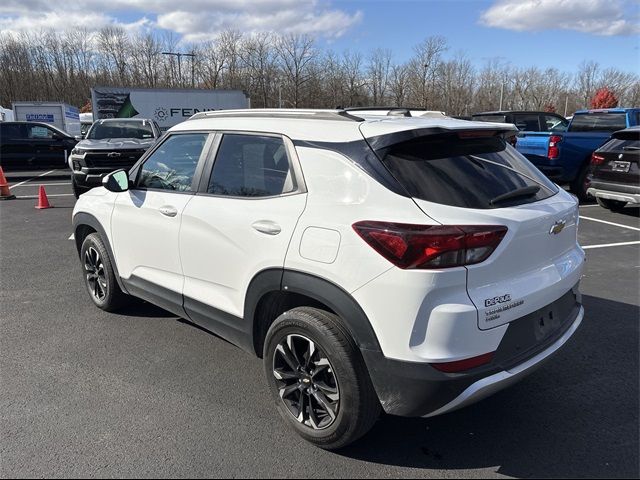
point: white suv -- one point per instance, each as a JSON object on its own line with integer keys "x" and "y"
{"x": 375, "y": 260}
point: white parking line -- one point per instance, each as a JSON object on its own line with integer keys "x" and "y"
{"x": 72, "y": 237}
{"x": 48, "y": 195}
{"x": 32, "y": 178}
{"x": 604, "y": 245}
{"x": 38, "y": 184}
{"x": 610, "y": 223}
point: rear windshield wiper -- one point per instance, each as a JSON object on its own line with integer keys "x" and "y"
{"x": 529, "y": 191}
{"x": 630, "y": 147}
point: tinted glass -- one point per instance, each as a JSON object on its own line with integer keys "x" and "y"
{"x": 528, "y": 122}
{"x": 598, "y": 122}
{"x": 251, "y": 166}
{"x": 39, "y": 131}
{"x": 621, "y": 145}
{"x": 173, "y": 164}
{"x": 555, "y": 124}
{"x": 464, "y": 172}
{"x": 490, "y": 118}
{"x": 100, "y": 131}
{"x": 11, "y": 131}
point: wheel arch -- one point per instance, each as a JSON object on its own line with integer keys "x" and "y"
{"x": 274, "y": 291}
{"x": 83, "y": 225}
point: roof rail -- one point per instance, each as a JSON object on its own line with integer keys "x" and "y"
{"x": 392, "y": 111}
{"x": 279, "y": 113}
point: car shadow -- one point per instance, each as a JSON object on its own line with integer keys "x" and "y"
{"x": 575, "y": 417}
{"x": 630, "y": 211}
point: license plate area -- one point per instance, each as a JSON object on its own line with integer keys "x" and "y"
{"x": 619, "y": 166}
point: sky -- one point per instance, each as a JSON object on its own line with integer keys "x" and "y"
{"x": 542, "y": 33}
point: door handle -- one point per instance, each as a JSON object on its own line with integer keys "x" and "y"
{"x": 168, "y": 211}
{"x": 266, "y": 226}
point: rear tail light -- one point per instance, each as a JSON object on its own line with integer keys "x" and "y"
{"x": 554, "y": 151}
{"x": 463, "y": 365}
{"x": 411, "y": 246}
{"x": 597, "y": 159}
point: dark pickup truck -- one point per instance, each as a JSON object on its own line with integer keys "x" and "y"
{"x": 563, "y": 152}
{"x": 110, "y": 144}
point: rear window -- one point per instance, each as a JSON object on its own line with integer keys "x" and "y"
{"x": 598, "y": 122}
{"x": 482, "y": 173}
{"x": 490, "y": 118}
{"x": 620, "y": 145}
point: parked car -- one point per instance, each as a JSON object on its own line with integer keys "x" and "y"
{"x": 374, "y": 262}
{"x": 564, "y": 156}
{"x": 32, "y": 145}
{"x": 110, "y": 144}
{"x": 615, "y": 175}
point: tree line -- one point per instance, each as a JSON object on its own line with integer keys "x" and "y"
{"x": 293, "y": 71}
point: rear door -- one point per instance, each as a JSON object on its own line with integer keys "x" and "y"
{"x": 239, "y": 223}
{"x": 462, "y": 179}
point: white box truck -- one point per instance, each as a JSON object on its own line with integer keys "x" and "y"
{"x": 167, "y": 107}
{"x": 62, "y": 115}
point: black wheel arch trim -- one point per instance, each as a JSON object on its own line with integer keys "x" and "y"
{"x": 81, "y": 219}
{"x": 319, "y": 289}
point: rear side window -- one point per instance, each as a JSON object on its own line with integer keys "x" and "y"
{"x": 12, "y": 131}
{"x": 483, "y": 172}
{"x": 251, "y": 166}
{"x": 598, "y": 122}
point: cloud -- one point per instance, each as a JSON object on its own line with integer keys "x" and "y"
{"x": 597, "y": 17}
{"x": 194, "y": 20}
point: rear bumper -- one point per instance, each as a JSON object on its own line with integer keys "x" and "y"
{"x": 415, "y": 389}
{"x": 494, "y": 383}
{"x": 614, "y": 191}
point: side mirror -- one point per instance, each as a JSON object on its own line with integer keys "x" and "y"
{"x": 117, "y": 181}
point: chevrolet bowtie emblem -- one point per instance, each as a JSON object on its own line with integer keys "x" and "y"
{"x": 557, "y": 227}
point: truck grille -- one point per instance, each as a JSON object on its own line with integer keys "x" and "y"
{"x": 115, "y": 159}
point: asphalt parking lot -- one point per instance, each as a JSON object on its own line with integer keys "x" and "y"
{"x": 84, "y": 393}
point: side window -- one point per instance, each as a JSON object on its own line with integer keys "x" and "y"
{"x": 555, "y": 124}
{"x": 38, "y": 131}
{"x": 251, "y": 166}
{"x": 173, "y": 164}
{"x": 11, "y": 131}
{"x": 528, "y": 122}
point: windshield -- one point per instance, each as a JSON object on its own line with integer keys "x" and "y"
{"x": 123, "y": 129}
{"x": 450, "y": 169}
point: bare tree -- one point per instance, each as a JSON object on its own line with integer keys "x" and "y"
{"x": 296, "y": 52}
{"x": 378, "y": 71}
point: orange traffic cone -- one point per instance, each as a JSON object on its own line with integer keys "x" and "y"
{"x": 43, "y": 201}
{"x": 5, "y": 192}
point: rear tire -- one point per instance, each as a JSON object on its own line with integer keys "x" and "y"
{"x": 613, "y": 205}
{"x": 324, "y": 391}
{"x": 581, "y": 183}
{"x": 99, "y": 275}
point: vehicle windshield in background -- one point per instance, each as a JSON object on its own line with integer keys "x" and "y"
{"x": 462, "y": 170}
{"x": 598, "y": 122}
{"x": 124, "y": 129}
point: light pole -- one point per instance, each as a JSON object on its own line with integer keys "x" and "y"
{"x": 180, "y": 55}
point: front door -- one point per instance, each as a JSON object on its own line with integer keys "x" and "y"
{"x": 146, "y": 220}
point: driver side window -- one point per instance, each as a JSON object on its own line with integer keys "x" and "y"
{"x": 173, "y": 165}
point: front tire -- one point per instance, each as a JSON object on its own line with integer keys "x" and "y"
{"x": 99, "y": 275}
{"x": 77, "y": 189}
{"x": 613, "y": 205}
{"x": 318, "y": 378}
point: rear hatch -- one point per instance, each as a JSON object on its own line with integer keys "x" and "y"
{"x": 617, "y": 160}
{"x": 473, "y": 177}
